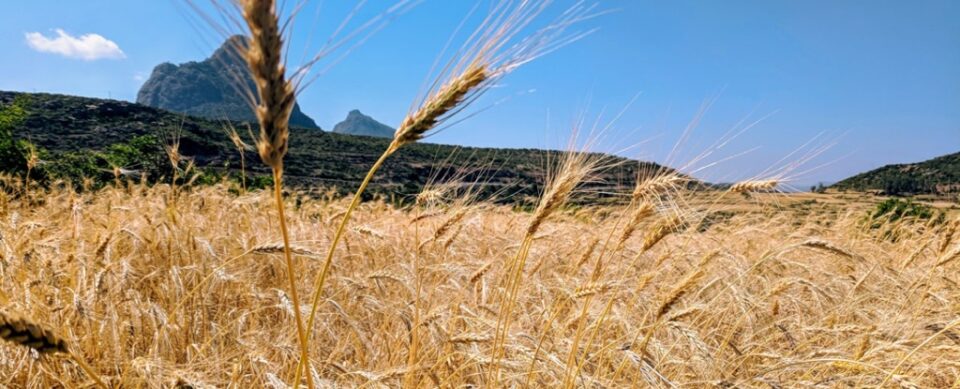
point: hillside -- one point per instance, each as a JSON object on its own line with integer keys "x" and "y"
{"x": 357, "y": 123}
{"x": 63, "y": 124}
{"x": 208, "y": 88}
{"x": 940, "y": 175}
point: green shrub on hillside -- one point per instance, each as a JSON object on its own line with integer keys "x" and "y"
{"x": 13, "y": 151}
{"x": 141, "y": 152}
{"x": 892, "y": 210}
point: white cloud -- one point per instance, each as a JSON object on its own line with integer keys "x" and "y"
{"x": 87, "y": 47}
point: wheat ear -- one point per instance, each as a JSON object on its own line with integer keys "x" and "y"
{"x": 656, "y": 187}
{"x": 671, "y": 298}
{"x": 754, "y": 186}
{"x": 447, "y": 98}
{"x": 661, "y": 230}
{"x": 241, "y": 147}
{"x": 643, "y": 211}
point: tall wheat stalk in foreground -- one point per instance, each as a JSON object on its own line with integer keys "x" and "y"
{"x": 574, "y": 168}
{"x": 274, "y": 97}
{"x": 275, "y": 102}
{"x": 485, "y": 58}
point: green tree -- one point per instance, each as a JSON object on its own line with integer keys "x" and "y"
{"x": 13, "y": 151}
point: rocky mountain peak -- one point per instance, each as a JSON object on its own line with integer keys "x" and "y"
{"x": 211, "y": 88}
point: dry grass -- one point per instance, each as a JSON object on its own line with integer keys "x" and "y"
{"x": 155, "y": 292}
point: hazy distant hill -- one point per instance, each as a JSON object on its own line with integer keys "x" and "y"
{"x": 62, "y": 124}
{"x": 208, "y": 88}
{"x": 357, "y": 123}
{"x": 939, "y": 175}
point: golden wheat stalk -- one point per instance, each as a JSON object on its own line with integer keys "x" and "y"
{"x": 455, "y": 218}
{"x": 949, "y": 256}
{"x": 470, "y": 338}
{"x": 430, "y": 196}
{"x": 279, "y": 248}
{"x": 476, "y": 275}
{"x": 412, "y": 129}
{"x": 487, "y": 58}
{"x": 587, "y": 253}
{"x": 685, "y": 285}
{"x": 950, "y": 231}
{"x": 242, "y": 148}
{"x": 576, "y": 167}
{"x": 671, "y": 298}
{"x": 32, "y": 160}
{"x": 275, "y": 94}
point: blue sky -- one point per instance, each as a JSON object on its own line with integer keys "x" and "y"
{"x": 880, "y": 80}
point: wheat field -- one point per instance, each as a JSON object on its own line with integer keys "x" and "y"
{"x": 156, "y": 285}
{"x": 155, "y": 290}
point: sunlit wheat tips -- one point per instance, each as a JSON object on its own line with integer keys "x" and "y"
{"x": 495, "y": 48}
{"x": 490, "y": 52}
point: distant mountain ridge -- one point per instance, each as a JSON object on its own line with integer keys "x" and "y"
{"x": 209, "y": 88}
{"x": 939, "y": 175}
{"x": 357, "y": 123}
{"x": 317, "y": 160}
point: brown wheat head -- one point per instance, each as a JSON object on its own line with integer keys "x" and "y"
{"x": 275, "y": 93}
{"x": 28, "y": 333}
